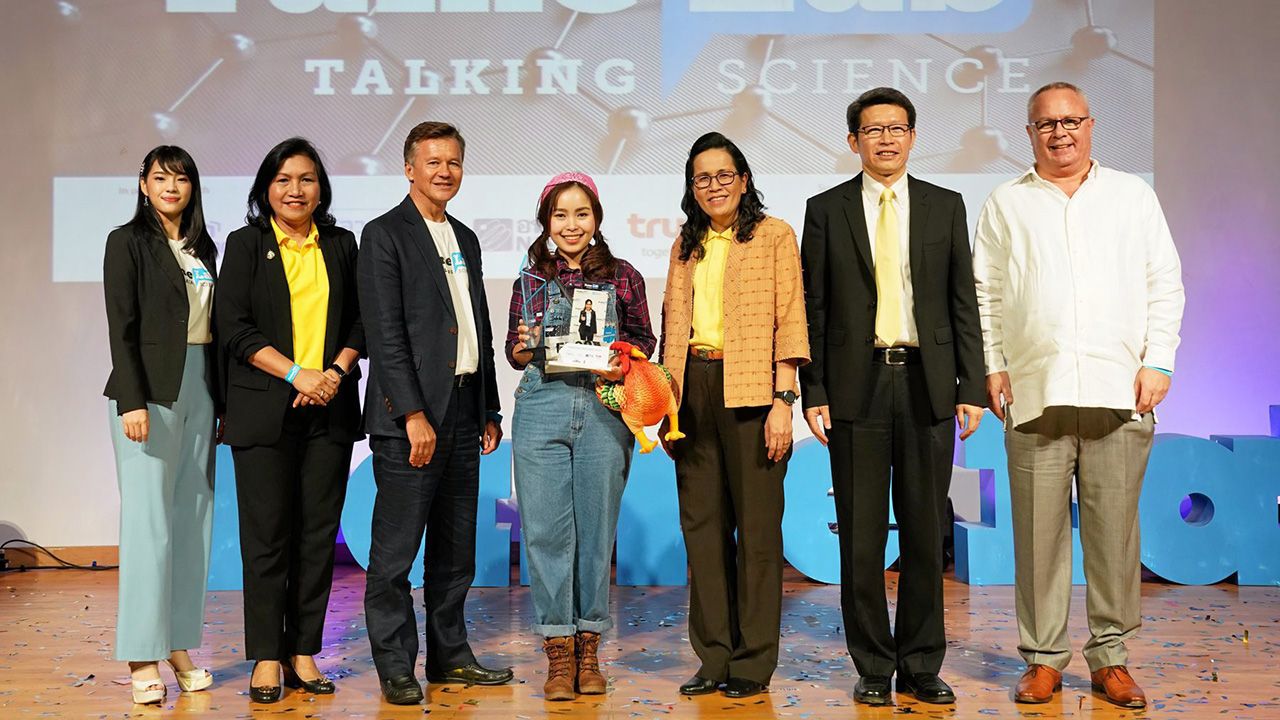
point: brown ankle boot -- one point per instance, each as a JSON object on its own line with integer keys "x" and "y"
{"x": 590, "y": 680}
{"x": 560, "y": 668}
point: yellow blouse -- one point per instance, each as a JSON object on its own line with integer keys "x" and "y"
{"x": 708, "y": 291}
{"x": 308, "y": 278}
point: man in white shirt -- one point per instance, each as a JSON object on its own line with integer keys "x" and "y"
{"x": 1080, "y": 293}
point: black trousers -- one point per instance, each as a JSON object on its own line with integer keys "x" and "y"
{"x": 441, "y": 499}
{"x": 290, "y": 497}
{"x": 895, "y": 434}
{"x": 727, "y": 485}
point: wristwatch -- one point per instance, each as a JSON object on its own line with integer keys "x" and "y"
{"x": 787, "y": 396}
{"x": 338, "y": 369}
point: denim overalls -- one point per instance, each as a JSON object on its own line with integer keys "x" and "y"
{"x": 571, "y": 457}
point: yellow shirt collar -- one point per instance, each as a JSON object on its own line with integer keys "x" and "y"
{"x": 282, "y": 237}
{"x": 713, "y": 235}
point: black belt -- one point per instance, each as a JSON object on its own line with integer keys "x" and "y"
{"x": 461, "y": 381}
{"x": 899, "y": 355}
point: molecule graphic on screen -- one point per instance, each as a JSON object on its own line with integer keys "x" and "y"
{"x": 974, "y": 126}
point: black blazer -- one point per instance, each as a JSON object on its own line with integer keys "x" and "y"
{"x": 254, "y": 311}
{"x": 147, "y": 311}
{"x": 409, "y": 318}
{"x": 840, "y": 300}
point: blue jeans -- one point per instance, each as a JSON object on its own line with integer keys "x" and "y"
{"x": 439, "y": 498}
{"x": 572, "y": 455}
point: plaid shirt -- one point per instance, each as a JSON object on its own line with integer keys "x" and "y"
{"x": 633, "y": 307}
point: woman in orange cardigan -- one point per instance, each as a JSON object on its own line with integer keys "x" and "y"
{"x": 734, "y": 332}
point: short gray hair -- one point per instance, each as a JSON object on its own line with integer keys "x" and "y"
{"x": 1059, "y": 85}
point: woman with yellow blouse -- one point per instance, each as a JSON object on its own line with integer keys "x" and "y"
{"x": 734, "y": 332}
{"x": 288, "y": 315}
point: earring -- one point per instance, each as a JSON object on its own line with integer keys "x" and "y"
{"x": 145, "y": 201}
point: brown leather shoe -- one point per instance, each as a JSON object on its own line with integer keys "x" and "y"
{"x": 560, "y": 668}
{"x": 1115, "y": 682}
{"x": 590, "y": 680}
{"x": 1038, "y": 684}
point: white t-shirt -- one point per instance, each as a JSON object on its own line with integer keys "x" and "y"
{"x": 455, "y": 271}
{"x": 199, "y": 294}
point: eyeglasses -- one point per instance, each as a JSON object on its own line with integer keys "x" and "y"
{"x": 871, "y": 132}
{"x": 1044, "y": 127}
{"x": 724, "y": 177}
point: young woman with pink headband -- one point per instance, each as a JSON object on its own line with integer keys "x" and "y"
{"x": 571, "y": 454}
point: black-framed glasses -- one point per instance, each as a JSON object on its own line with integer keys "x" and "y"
{"x": 1046, "y": 126}
{"x": 871, "y": 132}
{"x": 724, "y": 177}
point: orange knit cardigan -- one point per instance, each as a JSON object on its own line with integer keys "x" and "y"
{"x": 764, "y": 319}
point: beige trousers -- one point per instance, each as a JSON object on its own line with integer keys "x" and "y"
{"x": 1105, "y": 451}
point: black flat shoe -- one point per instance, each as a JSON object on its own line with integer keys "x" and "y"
{"x": 742, "y": 687}
{"x": 473, "y": 674}
{"x": 698, "y": 685}
{"x": 320, "y": 686}
{"x": 926, "y": 687}
{"x": 872, "y": 690}
{"x": 265, "y": 694}
{"x": 402, "y": 690}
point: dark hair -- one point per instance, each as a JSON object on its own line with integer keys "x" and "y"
{"x": 878, "y": 96}
{"x": 750, "y": 210}
{"x": 174, "y": 159}
{"x": 588, "y": 302}
{"x": 598, "y": 263}
{"x": 432, "y": 130}
{"x": 260, "y": 212}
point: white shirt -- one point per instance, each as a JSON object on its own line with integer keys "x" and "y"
{"x": 455, "y": 271}
{"x": 199, "y": 294}
{"x": 1076, "y": 294}
{"x": 871, "y": 190}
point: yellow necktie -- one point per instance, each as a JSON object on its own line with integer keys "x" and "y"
{"x": 888, "y": 272}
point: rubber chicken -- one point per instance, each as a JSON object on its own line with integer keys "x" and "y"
{"x": 646, "y": 394}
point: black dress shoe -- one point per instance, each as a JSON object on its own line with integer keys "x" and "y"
{"x": 926, "y": 687}
{"x": 473, "y": 674}
{"x": 320, "y": 686}
{"x": 264, "y": 693}
{"x": 742, "y": 687}
{"x": 872, "y": 690}
{"x": 402, "y": 690}
{"x": 698, "y": 685}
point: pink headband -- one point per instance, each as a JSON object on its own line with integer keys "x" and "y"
{"x": 578, "y": 177}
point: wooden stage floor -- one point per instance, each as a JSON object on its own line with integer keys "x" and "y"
{"x": 56, "y": 630}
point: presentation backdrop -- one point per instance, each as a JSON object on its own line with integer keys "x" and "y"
{"x": 615, "y": 88}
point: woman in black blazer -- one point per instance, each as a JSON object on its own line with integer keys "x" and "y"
{"x": 158, "y": 276}
{"x": 288, "y": 316}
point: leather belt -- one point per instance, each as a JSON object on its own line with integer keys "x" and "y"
{"x": 898, "y": 355}
{"x": 461, "y": 381}
{"x": 706, "y": 353}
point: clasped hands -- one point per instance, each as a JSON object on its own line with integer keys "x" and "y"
{"x": 315, "y": 387}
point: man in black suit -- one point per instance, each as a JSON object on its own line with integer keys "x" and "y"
{"x": 897, "y": 349}
{"x": 431, "y": 409}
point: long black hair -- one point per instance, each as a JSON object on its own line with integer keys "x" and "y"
{"x": 750, "y": 210}
{"x": 260, "y": 212}
{"x": 196, "y": 240}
